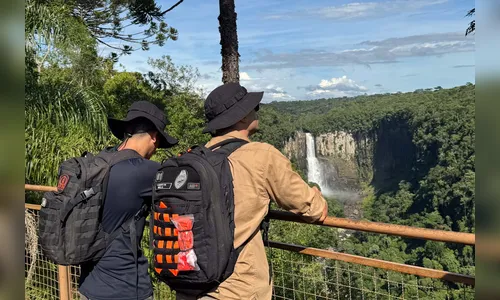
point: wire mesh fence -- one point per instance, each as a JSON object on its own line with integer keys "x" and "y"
{"x": 300, "y": 277}
{"x": 74, "y": 273}
{"x": 40, "y": 275}
{"x": 295, "y": 276}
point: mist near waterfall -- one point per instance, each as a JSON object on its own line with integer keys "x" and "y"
{"x": 325, "y": 175}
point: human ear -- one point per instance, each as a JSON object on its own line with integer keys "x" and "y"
{"x": 154, "y": 136}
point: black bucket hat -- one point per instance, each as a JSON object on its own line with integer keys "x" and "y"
{"x": 228, "y": 104}
{"x": 149, "y": 111}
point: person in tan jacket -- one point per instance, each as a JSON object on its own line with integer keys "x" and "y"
{"x": 260, "y": 173}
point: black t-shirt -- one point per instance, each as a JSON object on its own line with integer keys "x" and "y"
{"x": 113, "y": 276}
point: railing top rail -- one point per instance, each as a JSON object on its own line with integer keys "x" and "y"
{"x": 375, "y": 227}
{"x": 377, "y": 263}
{"x": 392, "y": 229}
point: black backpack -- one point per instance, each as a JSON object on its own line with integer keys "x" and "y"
{"x": 193, "y": 207}
{"x": 70, "y": 229}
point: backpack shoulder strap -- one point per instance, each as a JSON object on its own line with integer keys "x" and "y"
{"x": 228, "y": 146}
{"x": 112, "y": 158}
{"x": 128, "y": 223}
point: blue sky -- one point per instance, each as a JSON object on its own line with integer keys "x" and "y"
{"x": 299, "y": 50}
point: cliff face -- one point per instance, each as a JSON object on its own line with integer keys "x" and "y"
{"x": 382, "y": 158}
{"x": 338, "y": 144}
{"x": 345, "y": 160}
{"x": 296, "y": 150}
{"x": 336, "y": 153}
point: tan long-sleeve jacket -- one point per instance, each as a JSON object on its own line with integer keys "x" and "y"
{"x": 260, "y": 173}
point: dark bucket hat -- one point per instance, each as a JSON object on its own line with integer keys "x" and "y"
{"x": 228, "y": 104}
{"x": 149, "y": 111}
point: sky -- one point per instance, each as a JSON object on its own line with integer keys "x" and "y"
{"x": 302, "y": 50}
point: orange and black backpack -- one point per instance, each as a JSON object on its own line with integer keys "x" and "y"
{"x": 192, "y": 219}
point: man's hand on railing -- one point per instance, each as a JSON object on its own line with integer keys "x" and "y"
{"x": 325, "y": 214}
{"x": 325, "y": 210}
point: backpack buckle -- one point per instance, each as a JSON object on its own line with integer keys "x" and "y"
{"x": 87, "y": 194}
{"x": 264, "y": 226}
{"x": 138, "y": 215}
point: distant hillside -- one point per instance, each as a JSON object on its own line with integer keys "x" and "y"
{"x": 280, "y": 120}
{"x": 301, "y": 107}
{"x": 415, "y": 156}
{"x": 324, "y": 105}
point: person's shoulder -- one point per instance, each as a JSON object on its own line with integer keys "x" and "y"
{"x": 151, "y": 163}
{"x": 264, "y": 147}
{"x": 139, "y": 165}
{"x": 147, "y": 164}
{"x": 145, "y": 169}
{"x": 260, "y": 146}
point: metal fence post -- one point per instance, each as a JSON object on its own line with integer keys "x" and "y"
{"x": 64, "y": 283}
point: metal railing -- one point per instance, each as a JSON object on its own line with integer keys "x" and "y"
{"x": 392, "y": 229}
{"x": 43, "y": 279}
{"x": 298, "y": 272}
{"x": 298, "y": 276}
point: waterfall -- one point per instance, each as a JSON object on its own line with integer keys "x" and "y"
{"x": 314, "y": 173}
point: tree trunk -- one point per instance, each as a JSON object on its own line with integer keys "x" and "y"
{"x": 229, "y": 42}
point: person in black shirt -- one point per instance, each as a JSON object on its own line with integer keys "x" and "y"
{"x": 117, "y": 275}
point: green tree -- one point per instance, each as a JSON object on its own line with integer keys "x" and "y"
{"x": 61, "y": 121}
{"x": 171, "y": 79}
{"x": 67, "y": 33}
{"x": 124, "y": 88}
{"x": 108, "y": 19}
{"x": 51, "y": 32}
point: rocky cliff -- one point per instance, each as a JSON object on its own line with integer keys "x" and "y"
{"x": 337, "y": 154}
{"x": 295, "y": 149}
{"x": 381, "y": 159}
{"x": 338, "y": 144}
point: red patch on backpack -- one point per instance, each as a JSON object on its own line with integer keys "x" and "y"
{"x": 63, "y": 182}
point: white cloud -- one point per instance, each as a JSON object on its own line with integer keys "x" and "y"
{"x": 341, "y": 83}
{"x": 411, "y": 49}
{"x": 244, "y": 76}
{"x": 336, "y": 87}
{"x": 281, "y": 96}
{"x": 252, "y": 84}
{"x": 350, "y": 10}
{"x": 360, "y": 10}
{"x": 390, "y": 50}
{"x": 464, "y": 66}
{"x": 271, "y": 92}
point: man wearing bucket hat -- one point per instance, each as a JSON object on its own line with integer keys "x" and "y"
{"x": 260, "y": 173}
{"x": 122, "y": 273}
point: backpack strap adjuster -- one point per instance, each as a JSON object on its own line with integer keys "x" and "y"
{"x": 87, "y": 194}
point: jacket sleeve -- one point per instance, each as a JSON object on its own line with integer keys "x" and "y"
{"x": 286, "y": 187}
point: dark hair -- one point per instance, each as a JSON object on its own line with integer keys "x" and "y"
{"x": 139, "y": 125}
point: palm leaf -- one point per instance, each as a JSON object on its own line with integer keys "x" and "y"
{"x": 61, "y": 121}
